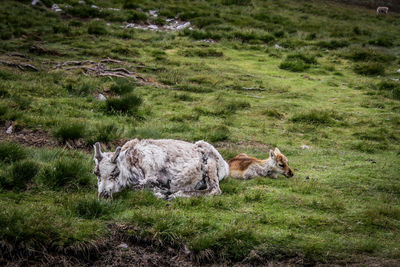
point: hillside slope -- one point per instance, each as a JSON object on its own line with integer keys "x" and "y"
{"x": 318, "y": 79}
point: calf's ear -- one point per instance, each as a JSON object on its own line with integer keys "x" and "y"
{"x": 116, "y": 154}
{"x": 271, "y": 154}
{"x": 277, "y": 151}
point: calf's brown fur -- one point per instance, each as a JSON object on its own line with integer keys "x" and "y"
{"x": 244, "y": 167}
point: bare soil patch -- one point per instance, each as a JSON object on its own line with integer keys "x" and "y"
{"x": 28, "y": 137}
{"x": 118, "y": 249}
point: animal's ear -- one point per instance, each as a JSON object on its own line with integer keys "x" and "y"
{"x": 277, "y": 151}
{"x": 116, "y": 154}
{"x": 271, "y": 154}
{"x": 97, "y": 151}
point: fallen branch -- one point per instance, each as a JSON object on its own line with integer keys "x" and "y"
{"x": 16, "y": 54}
{"x": 110, "y": 60}
{"x": 74, "y": 63}
{"x": 255, "y": 96}
{"x": 120, "y": 75}
{"x": 120, "y": 70}
{"x": 253, "y": 89}
{"x": 99, "y": 69}
{"x": 21, "y": 66}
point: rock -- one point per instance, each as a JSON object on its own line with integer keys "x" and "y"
{"x": 95, "y": 7}
{"x": 278, "y": 46}
{"x": 152, "y": 27}
{"x": 101, "y": 97}
{"x": 183, "y": 26}
{"x": 56, "y": 8}
{"x": 305, "y": 147}
{"x": 209, "y": 41}
{"x": 34, "y": 2}
{"x": 398, "y": 71}
{"x": 113, "y": 9}
{"x": 186, "y": 250}
{"x": 123, "y": 246}
{"x": 153, "y": 13}
{"x": 9, "y": 130}
{"x": 173, "y": 25}
{"x": 82, "y": 2}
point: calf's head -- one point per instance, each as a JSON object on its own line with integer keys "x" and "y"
{"x": 107, "y": 171}
{"x": 280, "y": 163}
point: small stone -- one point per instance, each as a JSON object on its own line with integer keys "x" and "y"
{"x": 123, "y": 246}
{"x": 186, "y": 250}
{"x": 278, "y": 46}
{"x": 153, "y": 27}
{"x": 56, "y": 8}
{"x": 185, "y": 25}
{"x": 153, "y": 13}
{"x": 130, "y": 25}
{"x": 82, "y": 2}
{"x": 307, "y": 177}
{"x": 9, "y": 130}
{"x": 34, "y": 2}
{"x": 305, "y": 147}
{"x": 398, "y": 71}
{"x": 101, "y": 97}
{"x": 95, "y": 7}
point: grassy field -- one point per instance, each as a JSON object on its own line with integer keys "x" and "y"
{"x": 250, "y": 75}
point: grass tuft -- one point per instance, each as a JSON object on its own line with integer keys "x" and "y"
{"x": 22, "y": 173}
{"x": 122, "y": 86}
{"x": 66, "y": 172}
{"x": 208, "y": 52}
{"x": 369, "y": 69}
{"x": 365, "y": 54}
{"x": 128, "y": 104}
{"x": 216, "y": 134}
{"x": 12, "y": 152}
{"x": 317, "y": 116}
{"x": 333, "y": 44}
{"x": 70, "y": 131}
{"x": 298, "y": 62}
{"x": 91, "y": 208}
{"x": 97, "y": 27}
{"x": 104, "y": 133}
{"x": 391, "y": 88}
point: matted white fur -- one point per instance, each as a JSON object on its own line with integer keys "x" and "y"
{"x": 172, "y": 168}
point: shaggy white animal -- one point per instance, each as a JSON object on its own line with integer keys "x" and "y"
{"x": 382, "y": 9}
{"x": 171, "y": 168}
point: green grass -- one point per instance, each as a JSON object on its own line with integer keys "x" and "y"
{"x": 333, "y": 86}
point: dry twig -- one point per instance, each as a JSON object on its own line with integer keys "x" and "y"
{"x": 21, "y": 66}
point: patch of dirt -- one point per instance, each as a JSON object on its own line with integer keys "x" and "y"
{"x": 123, "y": 248}
{"x": 38, "y": 138}
{"x": 28, "y": 137}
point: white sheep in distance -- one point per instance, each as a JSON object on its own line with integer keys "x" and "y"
{"x": 171, "y": 168}
{"x": 382, "y": 9}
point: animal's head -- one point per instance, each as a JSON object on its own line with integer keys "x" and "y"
{"x": 107, "y": 171}
{"x": 281, "y": 163}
